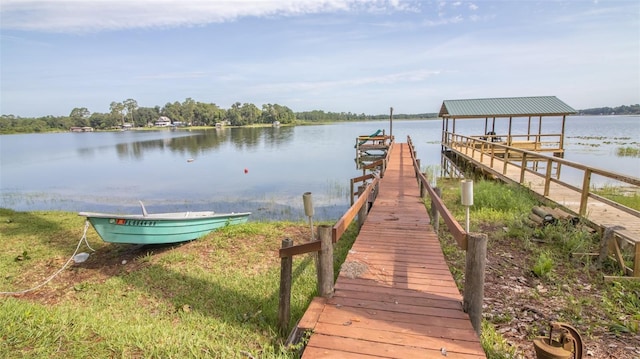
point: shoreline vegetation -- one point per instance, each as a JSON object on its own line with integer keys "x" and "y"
{"x": 193, "y": 114}
{"x": 218, "y": 296}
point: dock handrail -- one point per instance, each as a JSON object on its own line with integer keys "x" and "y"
{"x": 473, "y": 144}
{"x": 338, "y": 228}
{"x": 323, "y": 246}
{"x": 459, "y": 234}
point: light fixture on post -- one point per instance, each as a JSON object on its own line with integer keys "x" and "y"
{"x": 466, "y": 187}
{"x": 308, "y": 210}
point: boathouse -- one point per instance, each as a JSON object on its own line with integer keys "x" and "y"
{"x": 529, "y": 123}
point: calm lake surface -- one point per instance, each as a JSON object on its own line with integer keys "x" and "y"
{"x": 205, "y": 169}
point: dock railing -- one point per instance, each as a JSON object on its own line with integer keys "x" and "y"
{"x": 368, "y": 148}
{"x": 474, "y": 245}
{"x": 520, "y": 157}
{"x": 475, "y": 148}
{"x": 323, "y": 245}
{"x": 456, "y": 230}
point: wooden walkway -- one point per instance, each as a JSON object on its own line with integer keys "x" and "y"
{"x": 598, "y": 212}
{"x": 395, "y": 296}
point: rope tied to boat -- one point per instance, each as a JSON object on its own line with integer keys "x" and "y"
{"x": 84, "y": 238}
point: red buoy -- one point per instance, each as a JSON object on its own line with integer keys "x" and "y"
{"x": 246, "y": 171}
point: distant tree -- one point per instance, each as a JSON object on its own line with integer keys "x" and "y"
{"x": 250, "y": 113}
{"x": 207, "y": 114}
{"x": 61, "y": 123}
{"x": 272, "y": 113}
{"x": 187, "y": 110}
{"x": 234, "y": 116}
{"x": 147, "y": 115}
{"x": 269, "y": 114}
{"x": 117, "y": 110}
{"x": 173, "y": 111}
{"x": 80, "y": 116}
{"x": 102, "y": 121}
{"x": 285, "y": 114}
{"x": 620, "y": 110}
{"x": 130, "y": 105}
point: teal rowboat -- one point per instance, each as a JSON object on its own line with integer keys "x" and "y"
{"x": 159, "y": 228}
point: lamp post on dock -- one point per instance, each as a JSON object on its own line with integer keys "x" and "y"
{"x": 390, "y": 121}
{"x": 467, "y": 198}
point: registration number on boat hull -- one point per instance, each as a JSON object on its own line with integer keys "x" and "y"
{"x": 132, "y": 222}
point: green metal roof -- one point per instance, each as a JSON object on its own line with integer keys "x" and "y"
{"x": 505, "y": 107}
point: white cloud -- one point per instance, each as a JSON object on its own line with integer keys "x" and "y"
{"x": 90, "y": 16}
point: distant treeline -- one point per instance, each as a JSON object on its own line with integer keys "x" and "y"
{"x": 620, "y": 110}
{"x": 128, "y": 114}
{"x": 194, "y": 113}
{"x": 186, "y": 113}
{"x": 319, "y": 116}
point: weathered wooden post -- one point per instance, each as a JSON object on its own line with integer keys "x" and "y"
{"x": 325, "y": 262}
{"x": 351, "y": 193}
{"x": 435, "y": 215}
{"x": 474, "y": 278}
{"x": 362, "y": 213}
{"x": 284, "y": 305}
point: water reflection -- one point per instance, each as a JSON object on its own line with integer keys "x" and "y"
{"x": 202, "y": 141}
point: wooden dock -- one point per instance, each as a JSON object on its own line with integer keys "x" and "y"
{"x": 600, "y": 213}
{"x": 395, "y": 296}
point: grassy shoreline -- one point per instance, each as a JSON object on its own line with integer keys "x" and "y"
{"x": 218, "y": 296}
{"x": 213, "y": 297}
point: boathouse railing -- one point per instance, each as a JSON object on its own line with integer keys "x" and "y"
{"x": 518, "y": 157}
{"x": 475, "y": 149}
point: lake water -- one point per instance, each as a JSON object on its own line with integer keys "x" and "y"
{"x": 205, "y": 169}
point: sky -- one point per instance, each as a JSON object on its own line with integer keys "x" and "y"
{"x": 359, "y": 56}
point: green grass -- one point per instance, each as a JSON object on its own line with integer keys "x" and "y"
{"x": 492, "y": 202}
{"x": 501, "y": 211}
{"x": 543, "y": 266}
{"x": 627, "y": 198}
{"x": 214, "y": 297}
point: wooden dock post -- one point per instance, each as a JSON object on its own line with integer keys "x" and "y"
{"x": 325, "y": 261}
{"x": 474, "y": 278}
{"x": 435, "y": 215}
{"x": 284, "y": 306}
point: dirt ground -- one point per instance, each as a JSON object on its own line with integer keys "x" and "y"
{"x": 521, "y": 305}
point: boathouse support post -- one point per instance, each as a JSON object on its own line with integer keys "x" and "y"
{"x": 325, "y": 261}
{"x": 474, "y": 278}
{"x": 284, "y": 305}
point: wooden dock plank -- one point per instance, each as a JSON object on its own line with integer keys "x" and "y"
{"x": 311, "y": 315}
{"x": 395, "y": 296}
{"x": 407, "y": 339}
{"x": 321, "y": 348}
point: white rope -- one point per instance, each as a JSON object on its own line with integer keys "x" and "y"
{"x": 84, "y": 238}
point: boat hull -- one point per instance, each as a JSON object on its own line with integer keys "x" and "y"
{"x": 161, "y": 228}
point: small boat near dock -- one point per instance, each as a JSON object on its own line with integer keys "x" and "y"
{"x": 160, "y": 228}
